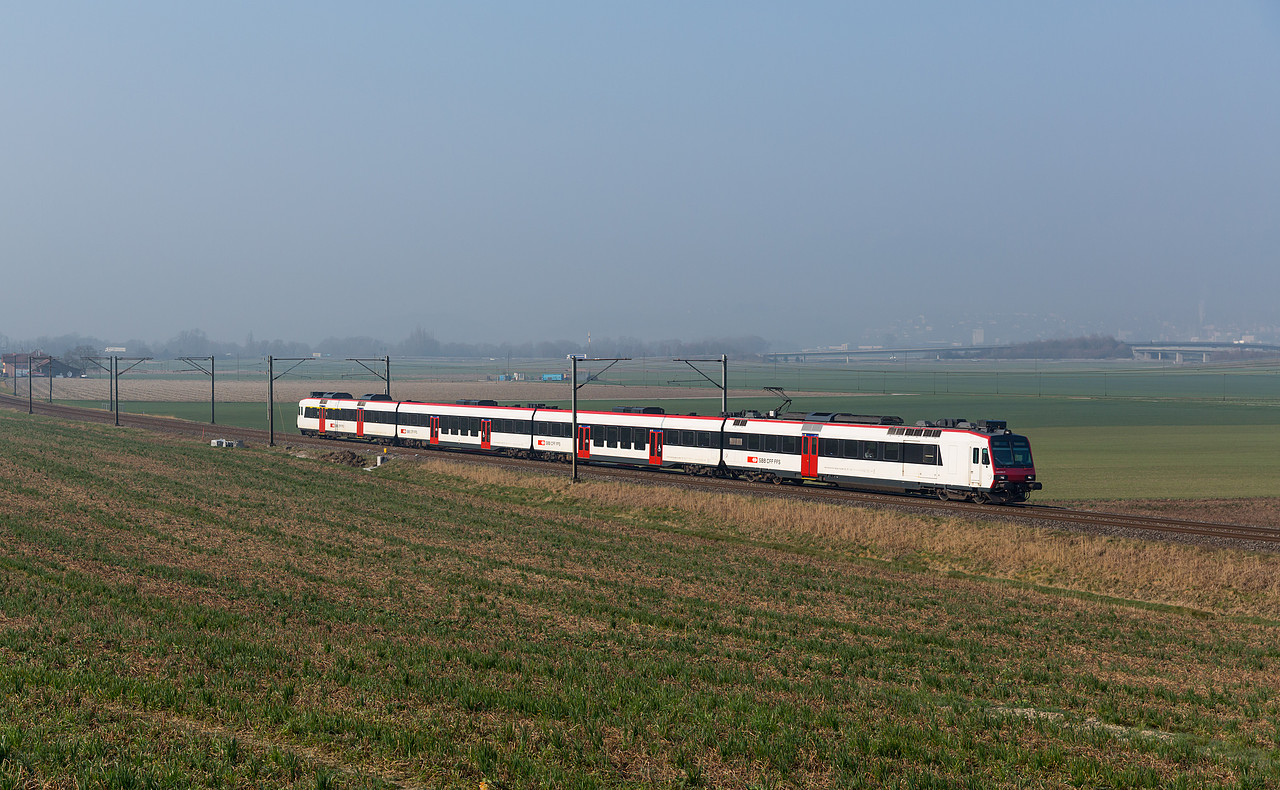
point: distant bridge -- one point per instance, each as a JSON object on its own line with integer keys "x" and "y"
{"x": 1196, "y": 351}
{"x": 1177, "y": 352}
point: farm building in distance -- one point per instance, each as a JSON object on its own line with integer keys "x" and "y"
{"x": 17, "y": 364}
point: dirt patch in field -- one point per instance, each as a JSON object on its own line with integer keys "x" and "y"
{"x": 346, "y": 458}
{"x": 505, "y": 392}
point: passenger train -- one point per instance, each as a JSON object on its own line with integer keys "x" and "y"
{"x": 981, "y": 461}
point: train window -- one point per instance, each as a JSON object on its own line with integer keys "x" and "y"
{"x": 735, "y": 442}
{"x": 913, "y": 454}
{"x": 790, "y": 446}
{"x": 870, "y": 450}
{"x": 931, "y": 455}
{"x": 597, "y": 438}
{"x": 542, "y": 428}
{"x": 473, "y": 426}
{"x": 689, "y": 438}
{"x": 704, "y": 438}
{"x": 641, "y": 437}
{"x": 611, "y": 436}
{"x": 986, "y": 459}
{"x": 829, "y": 448}
{"x": 753, "y": 441}
{"x": 770, "y": 443}
{"x": 892, "y": 451}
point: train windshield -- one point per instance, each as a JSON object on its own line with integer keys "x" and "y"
{"x": 1011, "y": 451}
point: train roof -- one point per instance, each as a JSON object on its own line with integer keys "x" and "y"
{"x": 894, "y": 423}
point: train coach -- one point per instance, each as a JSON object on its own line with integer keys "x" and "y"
{"x": 950, "y": 459}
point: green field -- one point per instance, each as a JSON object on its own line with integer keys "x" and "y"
{"x": 173, "y": 615}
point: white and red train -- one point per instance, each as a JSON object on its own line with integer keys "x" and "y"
{"x": 951, "y": 459}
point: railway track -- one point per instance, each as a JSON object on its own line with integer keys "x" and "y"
{"x": 1243, "y": 535}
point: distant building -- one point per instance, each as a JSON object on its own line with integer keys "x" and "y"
{"x": 40, "y": 365}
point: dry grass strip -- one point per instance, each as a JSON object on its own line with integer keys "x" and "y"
{"x": 1220, "y": 581}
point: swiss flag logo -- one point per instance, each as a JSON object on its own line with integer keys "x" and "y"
{"x": 753, "y": 459}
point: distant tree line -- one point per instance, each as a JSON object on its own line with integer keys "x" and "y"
{"x": 75, "y": 348}
{"x": 1091, "y": 347}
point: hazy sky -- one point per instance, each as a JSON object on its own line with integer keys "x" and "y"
{"x": 507, "y": 171}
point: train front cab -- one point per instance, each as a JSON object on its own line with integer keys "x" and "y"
{"x": 1013, "y": 470}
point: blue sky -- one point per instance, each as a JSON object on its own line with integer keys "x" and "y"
{"x": 501, "y": 171}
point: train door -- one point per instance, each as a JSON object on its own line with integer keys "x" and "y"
{"x": 977, "y": 456}
{"x": 584, "y": 441}
{"x": 808, "y": 456}
{"x": 655, "y": 448}
{"x": 359, "y": 423}
{"x": 322, "y": 420}
{"x": 435, "y": 430}
{"x": 486, "y": 434}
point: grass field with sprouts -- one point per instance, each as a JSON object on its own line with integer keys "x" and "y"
{"x": 174, "y": 615}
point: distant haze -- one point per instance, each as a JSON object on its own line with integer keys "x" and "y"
{"x": 806, "y": 173}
